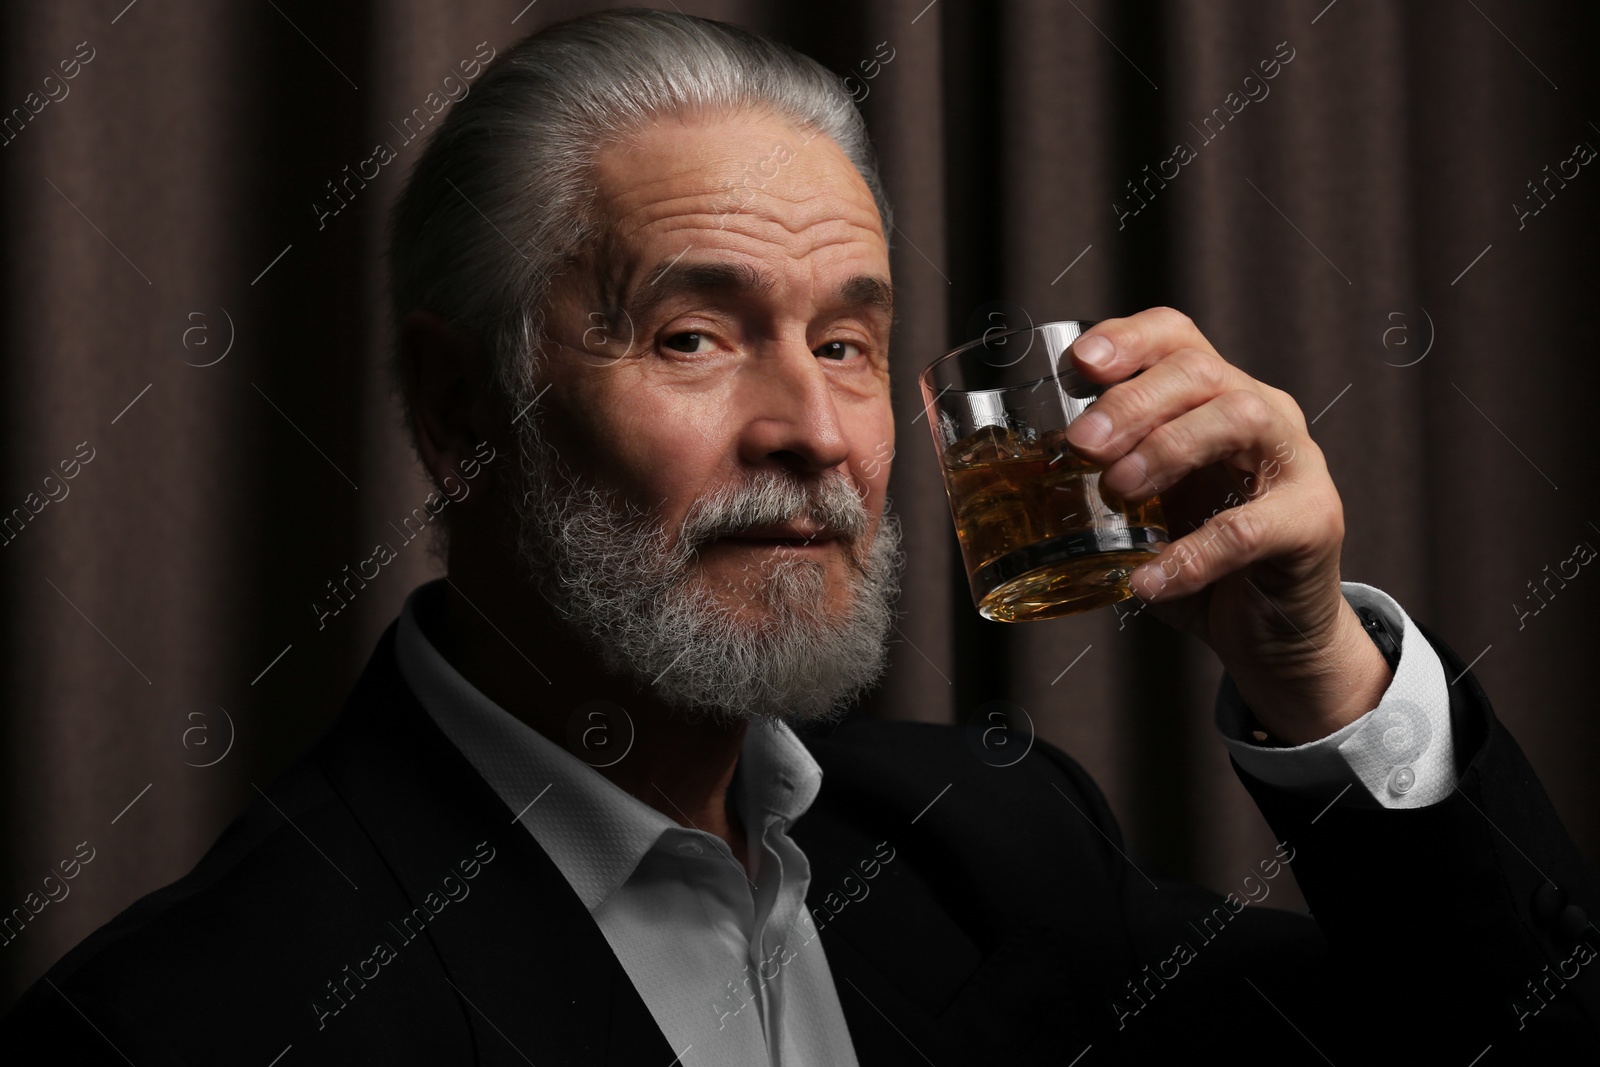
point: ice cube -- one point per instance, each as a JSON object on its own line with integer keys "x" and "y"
{"x": 990, "y": 444}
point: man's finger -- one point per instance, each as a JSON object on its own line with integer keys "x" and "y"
{"x": 1237, "y": 423}
{"x": 1115, "y": 348}
{"x": 1273, "y": 526}
{"x": 1126, "y": 412}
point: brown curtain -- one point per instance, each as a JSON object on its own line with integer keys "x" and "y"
{"x": 197, "y": 336}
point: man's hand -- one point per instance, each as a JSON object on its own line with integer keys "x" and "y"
{"x": 1253, "y": 569}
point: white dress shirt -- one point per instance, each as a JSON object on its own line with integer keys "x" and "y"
{"x": 730, "y": 965}
{"x": 1401, "y": 753}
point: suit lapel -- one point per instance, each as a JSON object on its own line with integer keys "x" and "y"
{"x": 536, "y": 977}
{"x": 956, "y": 949}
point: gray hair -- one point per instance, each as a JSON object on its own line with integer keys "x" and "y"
{"x": 503, "y": 197}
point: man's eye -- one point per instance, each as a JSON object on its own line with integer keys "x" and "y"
{"x": 685, "y": 342}
{"x": 837, "y": 350}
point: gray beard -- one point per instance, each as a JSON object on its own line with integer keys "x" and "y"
{"x": 629, "y": 592}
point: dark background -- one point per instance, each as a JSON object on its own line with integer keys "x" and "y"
{"x": 1360, "y": 215}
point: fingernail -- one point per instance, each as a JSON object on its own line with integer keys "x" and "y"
{"x": 1090, "y": 428}
{"x": 1094, "y": 350}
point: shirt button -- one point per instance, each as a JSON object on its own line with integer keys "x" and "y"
{"x": 689, "y": 848}
{"x": 1547, "y": 902}
{"x": 1402, "y": 780}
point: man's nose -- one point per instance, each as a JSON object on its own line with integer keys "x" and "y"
{"x": 788, "y": 411}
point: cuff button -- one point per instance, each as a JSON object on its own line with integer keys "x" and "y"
{"x": 1547, "y": 901}
{"x": 1401, "y": 781}
{"x": 1571, "y": 922}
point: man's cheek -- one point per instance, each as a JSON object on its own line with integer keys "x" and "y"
{"x": 874, "y": 464}
{"x": 874, "y": 473}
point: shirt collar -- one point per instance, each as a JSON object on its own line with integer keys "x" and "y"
{"x": 595, "y": 832}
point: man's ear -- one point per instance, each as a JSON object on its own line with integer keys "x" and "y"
{"x": 450, "y": 392}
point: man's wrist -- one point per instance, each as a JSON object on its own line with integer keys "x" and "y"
{"x": 1350, "y": 676}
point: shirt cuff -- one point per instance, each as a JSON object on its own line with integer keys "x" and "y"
{"x": 1400, "y": 754}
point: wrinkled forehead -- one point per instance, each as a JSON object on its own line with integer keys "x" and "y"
{"x": 747, "y": 184}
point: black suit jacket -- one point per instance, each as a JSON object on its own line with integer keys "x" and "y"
{"x": 379, "y": 905}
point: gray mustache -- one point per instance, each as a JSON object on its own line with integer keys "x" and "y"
{"x": 770, "y": 498}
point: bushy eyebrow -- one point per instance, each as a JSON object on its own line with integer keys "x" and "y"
{"x": 868, "y": 290}
{"x": 672, "y": 279}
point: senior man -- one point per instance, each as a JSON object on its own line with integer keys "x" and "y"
{"x": 642, "y": 285}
